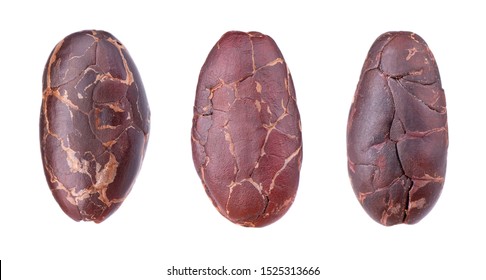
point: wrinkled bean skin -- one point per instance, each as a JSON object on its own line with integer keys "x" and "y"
{"x": 246, "y": 134}
{"x": 94, "y": 124}
{"x": 397, "y": 135}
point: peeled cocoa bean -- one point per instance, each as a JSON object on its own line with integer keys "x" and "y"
{"x": 397, "y": 135}
{"x": 94, "y": 124}
{"x": 246, "y": 134}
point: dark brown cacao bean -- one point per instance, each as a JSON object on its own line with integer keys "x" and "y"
{"x": 94, "y": 124}
{"x": 246, "y": 134}
{"x": 397, "y": 135}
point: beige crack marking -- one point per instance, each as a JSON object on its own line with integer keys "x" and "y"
{"x": 270, "y": 127}
{"x": 233, "y": 184}
{"x": 351, "y": 165}
{"x": 107, "y": 175}
{"x": 286, "y": 83}
{"x": 419, "y": 204}
{"x": 129, "y": 79}
{"x": 437, "y": 95}
{"x": 252, "y": 53}
{"x": 51, "y": 62}
{"x": 98, "y": 124}
{"x": 137, "y": 105}
{"x": 73, "y": 162}
{"x": 109, "y": 144}
{"x": 85, "y": 51}
{"x": 258, "y": 87}
{"x": 234, "y": 84}
{"x": 430, "y": 178}
{"x": 258, "y": 105}
{"x": 286, "y": 162}
{"x": 47, "y": 124}
{"x": 94, "y": 35}
{"x": 412, "y": 36}
{"x": 115, "y": 106}
{"x": 255, "y": 35}
{"x": 104, "y": 177}
{"x": 416, "y": 73}
{"x": 417, "y": 134}
{"x": 107, "y": 126}
{"x": 85, "y": 89}
{"x": 212, "y": 89}
{"x": 257, "y": 186}
{"x": 219, "y": 85}
{"x": 60, "y": 186}
{"x": 411, "y": 52}
{"x": 229, "y": 139}
{"x": 393, "y": 209}
{"x": 195, "y": 139}
{"x": 254, "y": 71}
{"x": 286, "y": 204}
{"x": 284, "y": 107}
{"x": 75, "y": 165}
{"x": 411, "y": 94}
{"x": 273, "y": 62}
{"x": 63, "y": 98}
{"x": 362, "y": 196}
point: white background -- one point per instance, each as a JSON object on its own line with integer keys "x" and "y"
{"x": 168, "y": 220}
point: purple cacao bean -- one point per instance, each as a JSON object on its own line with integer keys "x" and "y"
{"x": 246, "y": 134}
{"x": 397, "y": 135}
{"x": 94, "y": 124}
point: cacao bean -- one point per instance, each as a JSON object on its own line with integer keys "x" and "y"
{"x": 246, "y": 134}
{"x": 94, "y": 124}
{"x": 397, "y": 135}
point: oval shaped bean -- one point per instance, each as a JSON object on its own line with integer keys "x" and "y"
{"x": 94, "y": 124}
{"x": 246, "y": 134}
{"x": 397, "y": 134}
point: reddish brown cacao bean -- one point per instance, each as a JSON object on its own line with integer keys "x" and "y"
{"x": 397, "y": 135}
{"x": 94, "y": 124}
{"x": 246, "y": 134}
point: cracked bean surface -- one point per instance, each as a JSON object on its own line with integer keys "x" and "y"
{"x": 246, "y": 134}
{"x": 94, "y": 124}
{"x": 397, "y": 134}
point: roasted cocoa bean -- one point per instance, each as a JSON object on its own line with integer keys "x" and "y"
{"x": 397, "y": 135}
{"x": 94, "y": 124}
{"x": 246, "y": 134}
